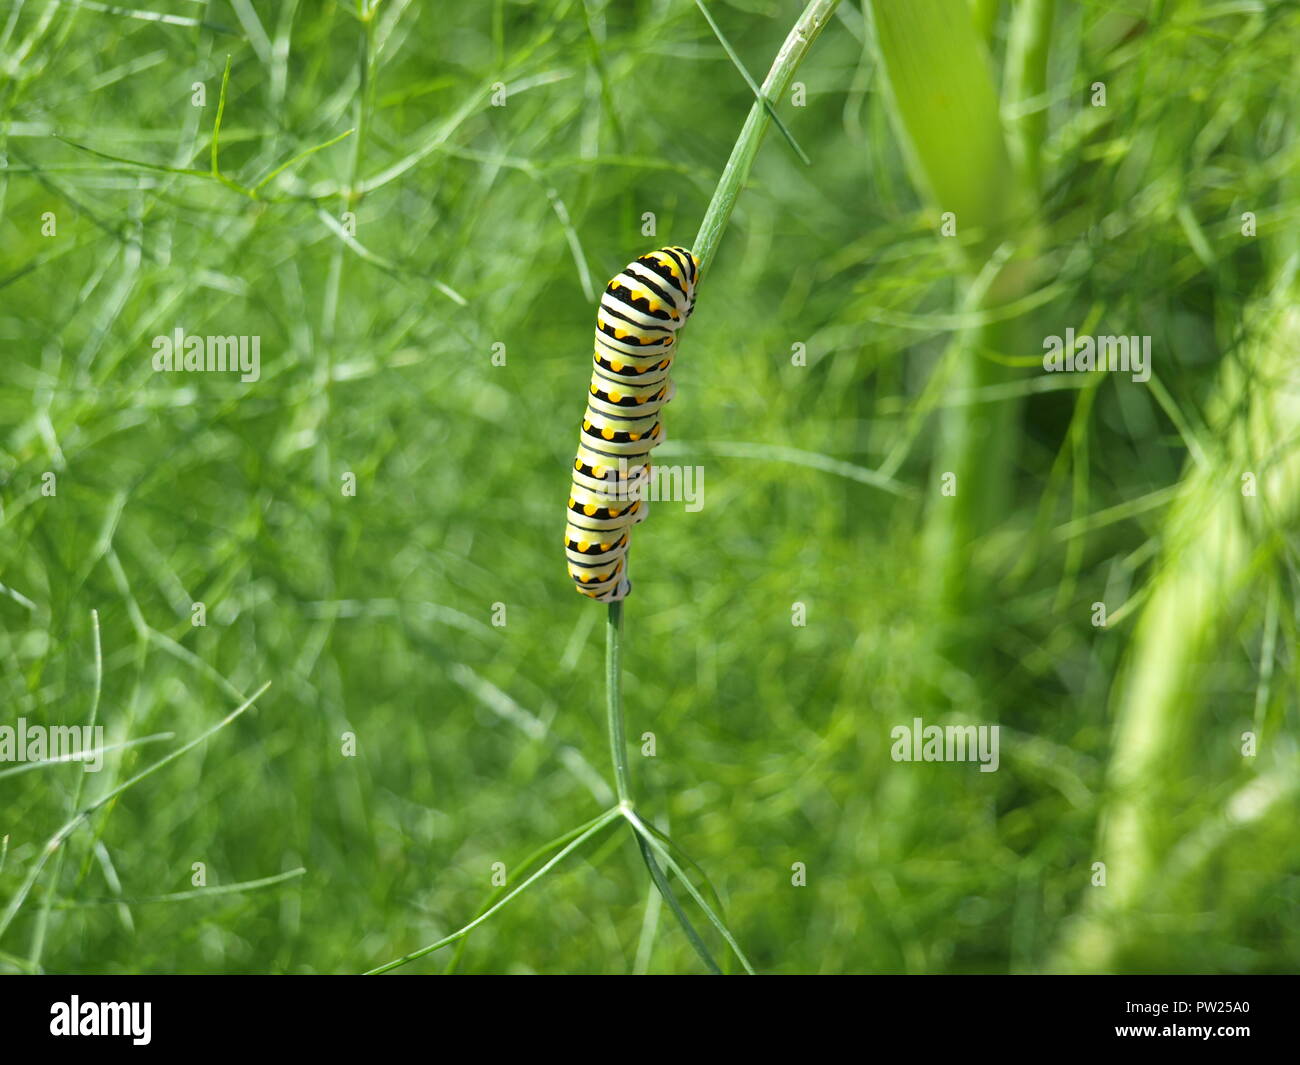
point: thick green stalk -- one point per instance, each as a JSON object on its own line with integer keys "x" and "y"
{"x": 1025, "y": 84}
{"x": 948, "y": 117}
{"x": 984, "y": 13}
{"x": 1219, "y": 544}
{"x": 947, "y": 113}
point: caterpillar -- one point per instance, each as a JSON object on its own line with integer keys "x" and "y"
{"x": 640, "y": 312}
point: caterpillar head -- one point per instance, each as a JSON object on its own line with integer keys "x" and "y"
{"x": 680, "y": 268}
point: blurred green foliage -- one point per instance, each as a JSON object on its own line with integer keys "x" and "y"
{"x": 478, "y": 225}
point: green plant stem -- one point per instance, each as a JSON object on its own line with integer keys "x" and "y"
{"x": 1025, "y": 85}
{"x": 622, "y": 778}
{"x": 758, "y": 93}
{"x": 984, "y": 14}
{"x": 797, "y": 42}
{"x": 1220, "y": 547}
{"x": 946, "y": 109}
{"x": 614, "y": 702}
{"x": 665, "y": 889}
{"x": 653, "y": 845}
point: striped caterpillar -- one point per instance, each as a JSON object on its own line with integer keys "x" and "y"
{"x": 640, "y": 312}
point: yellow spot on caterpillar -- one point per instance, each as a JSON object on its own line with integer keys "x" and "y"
{"x": 586, "y": 424}
{"x": 616, "y": 366}
{"x": 598, "y": 471}
{"x": 604, "y": 547}
{"x": 615, "y": 513}
{"x": 614, "y": 397}
{"x": 589, "y": 509}
{"x": 607, "y": 433}
{"x": 634, "y": 436}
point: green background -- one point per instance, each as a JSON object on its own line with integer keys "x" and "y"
{"x": 372, "y": 614}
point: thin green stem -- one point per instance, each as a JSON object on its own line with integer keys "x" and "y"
{"x": 215, "y": 147}
{"x": 299, "y": 158}
{"x": 614, "y": 701}
{"x": 622, "y": 778}
{"x": 758, "y": 95}
{"x": 797, "y": 42}
{"x": 618, "y": 754}
{"x": 649, "y": 929}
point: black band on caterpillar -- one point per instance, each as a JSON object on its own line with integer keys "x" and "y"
{"x": 640, "y": 312}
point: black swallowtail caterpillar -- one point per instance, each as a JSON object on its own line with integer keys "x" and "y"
{"x": 640, "y": 313}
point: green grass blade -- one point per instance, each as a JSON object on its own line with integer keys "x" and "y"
{"x": 592, "y": 828}
{"x": 666, "y": 890}
{"x": 522, "y": 868}
{"x": 691, "y": 889}
{"x": 187, "y": 896}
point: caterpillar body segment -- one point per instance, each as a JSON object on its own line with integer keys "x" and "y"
{"x": 641, "y": 310}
